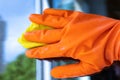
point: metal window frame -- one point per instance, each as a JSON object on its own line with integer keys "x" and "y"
{"x": 43, "y": 67}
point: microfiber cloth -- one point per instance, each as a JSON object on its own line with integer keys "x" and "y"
{"x": 32, "y": 27}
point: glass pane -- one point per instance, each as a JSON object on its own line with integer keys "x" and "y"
{"x": 13, "y": 21}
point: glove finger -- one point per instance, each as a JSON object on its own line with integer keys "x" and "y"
{"x": 48, "y": 51}
{"x": 73, "y": 70}
{"x": 44, "y": 36}
{"x": 49, "y": 20}
{"x": 58, "y": 12}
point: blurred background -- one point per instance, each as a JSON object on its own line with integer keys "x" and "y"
{"x": 14, "y": 65}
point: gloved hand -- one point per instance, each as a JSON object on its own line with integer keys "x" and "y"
{"x": 92, "y": 39}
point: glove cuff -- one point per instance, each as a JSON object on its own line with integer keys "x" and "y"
{"x": 117, "y": 48}
{"x": 115, "y": 41}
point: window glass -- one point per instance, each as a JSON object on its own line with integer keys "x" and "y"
{"x": 13, "y": 21}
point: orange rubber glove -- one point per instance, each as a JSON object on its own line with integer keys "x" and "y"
{"x": 92, "y": 39}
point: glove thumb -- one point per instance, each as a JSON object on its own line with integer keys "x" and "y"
{"x": 73, "y": 70}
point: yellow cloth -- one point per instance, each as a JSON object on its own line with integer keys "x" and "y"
{"x": 32, "y": 27}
